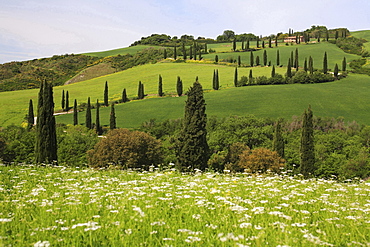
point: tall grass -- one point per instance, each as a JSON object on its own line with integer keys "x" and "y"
{"x": 73, "y": 207}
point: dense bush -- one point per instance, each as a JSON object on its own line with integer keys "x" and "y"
{"x": 261, "y": 160}
{"x": 125, "y": 149}
{"x": 73, "y": 143}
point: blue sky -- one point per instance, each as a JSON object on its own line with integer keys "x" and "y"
{"x": 41, "y": 28}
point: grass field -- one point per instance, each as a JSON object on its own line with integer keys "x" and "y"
{"x": 120, "y": 51}
{"x": 14, "y": 105}
{"x": 347, "y": 98}
{"x": 365, "y": 34}
{"x": 44, "y": 206}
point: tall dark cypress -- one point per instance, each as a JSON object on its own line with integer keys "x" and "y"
{"x": 307, "y": 150}
{"x": 305, "y": 65}
{"x": 63, "y": 100}
{"x": 277, "y": 57}
{"x": 165, "y": 53}
{"x": 291, "y": 58}
{"x": 234, "y": 44}
{"x": 124, "y": 96}
{"x": 270, "y": 42}
{"x": 336, "y": 71}
{"x": 46, "y": 140}
{"x": 183, "y": 51}
{"x": 192, "y": 149}
{"x": 67, "y": 101}
{"x": 296, "y": 61}
{"x": 247, "y": 45}
{"x": 251, "y": 59}
{"x": 325, "y": 64}
{"x": 264, "y": 58}
{"x": 106, "y": 93}
{"x": 344, "y": 64}
{"x": 289, "y": 69}
{"x": 263, "y": 44}
{"x": 236, "y": 77}
{"x": 310, "y": 65}
{"x": 278, "y": 140}
{"x": 140, "y": 91}
{"x": 191, "y": 52}
{"x": 216, "y": 58}
{"x": 97, "y": 120}
{"x": 174, "y": 53}
{"x": 258, "y": 42}
{"x": 214, "y": 80}
{"x": 239, "y": 61}
{"x": 217, "y": 86}
{"x": 273, "y": 71}
{"x": 250, "y": 78}
{"x": 179, "y": 87}
{"x": 30, "y": 115}
{"x": 112, "y": 119}
{"x": 160, "y": 86}
{"x": 257, "y": 60}
{"x": 75, "y": 113}
{"x": 88, "y": 121}
{"x": 276, "y": 41}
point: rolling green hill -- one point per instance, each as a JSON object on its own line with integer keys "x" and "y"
{"x": 346, "y": 98}
{"x": 365, "y": 34}
{"x": 121, "y": 51}
{"x": 14, "y": 105}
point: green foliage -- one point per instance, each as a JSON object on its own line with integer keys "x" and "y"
{"x": 112, "y": 122}
{"x": 278, "y": 140}
{"x": 73, "y": 143}
{"x": 106, "y": 94}
{"x": 17, "y": 144}
{"x": 124, "y": 149}
{"x": 26, "y": 74}
{"x": 325, "y": 64}
{"x": 46, "y": 142}
{"x": 88, "y": 120}
{"x": 192, "y": 149}
{"x": 75, "y": 113}
{"x": 30, "y": 115}
{"x": 160, "y": 86}
{"x": 231, "y": 161}
{"x": 179, "y": 86}
{"x": 351, "y": 45}
{"x": 307, "y": 166}
{"x": 261, "y": 160}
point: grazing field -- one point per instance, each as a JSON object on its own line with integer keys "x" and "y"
{"x": 119, "y": 51}
{"x": 346, "y": 98}
{"x": 44, "y": 206}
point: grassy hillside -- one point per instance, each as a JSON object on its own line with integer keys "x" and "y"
{"x": 121, "y": 51}
{"x": 365, "y": 34}
{"x": 347, "y": 98}
{"x": 14, "y": 105}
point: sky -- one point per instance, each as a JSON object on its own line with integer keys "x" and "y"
{"x": 32, "y": 29}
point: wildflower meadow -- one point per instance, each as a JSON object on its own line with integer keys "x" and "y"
{"x": 58, "y": 206}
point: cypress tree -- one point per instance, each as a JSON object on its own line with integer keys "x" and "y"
{"x": 263, "y": 44}
{"x": 289, "y": 69}
{"x": 276, "y": 41}
{"x": 140, "y": 92}
{"x": 200, "y": 55}
{"x": 236, "y": 77}
{"x": 67, "y": 101}
{"x": 112, "y": 122}
{"x": 195, "y": 52}
{"x": 250, "y": 79}
{"x": 88, "y": 121}
{"x": 160, "y": 86}
{"x": 336, "y": 71}
{"x": 277, "y": 57}
{"x": 243, "y": 44}
{"x": 174, "y": 53}
{"x": 205, "y": 48}
{"x": 278, "y": 140}
{"x": 325, "y": 64}
{"x": 183, "y": 51}
{"x": 257, "y": 60}
{"x": 217, "y": 81}
{"x": 318, "y": 38}
{"x": 344, "y": 64}
{"x": 191, "y": 52}
{"x": 291, "y": 58}
{"x": 97, "y": 120}
{"x": 310, "y": 65}
{"x": 216, "y": 58}
{"x": 75, "y": 113}
{"x": 307, "y": 150}
{"x": 63, "y": 100}
{"x": 214, "y": 80}
{"x": 46, "y": 140}
{"x": 179, "y": 87}
{"x": 258, "y": 42}
{"x": 305, "y": 65}
{"x": 273, "y": 71}
{"x": 192, "y": 149}
{"x": 239, "y": 61}
{"x": 264, "y": 58}
{"x": 251, "y": 59}
{"x": 336, "y": 34}
{"x": 30, "y": 115}
{"x": 327, "y": 35}
{"x": 234, "y": 44}
{"x": 124, "y": 96}
{"x": 296, "y": 61}
{"x": 165, "y": 53}
{"x": 270, "y": 42}
{"x": 106, "y": 94}
{"x": 247, "y": 46}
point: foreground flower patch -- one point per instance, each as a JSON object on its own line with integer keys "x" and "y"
{"x": 74, "y": 207}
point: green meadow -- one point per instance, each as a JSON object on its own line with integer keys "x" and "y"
{"x": 272, "y": 101}
{"x": 119, "y": 51}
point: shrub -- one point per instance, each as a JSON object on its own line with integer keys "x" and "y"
{"x": 261, "y": 160}
{"x": 232, "y": 157}
{"x": 126, "y": 149}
